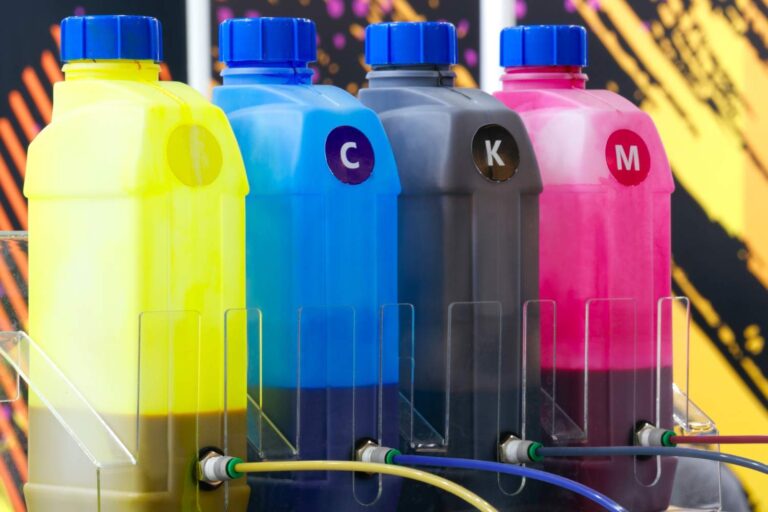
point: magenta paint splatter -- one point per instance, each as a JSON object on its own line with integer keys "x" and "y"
{"x": 339, "y": 41}
{"x": 361, "y": 8}
{"x": 79, "y": 11}
{"x": 570, "y": 7}
{"x": 521, "y": 9}
{"x": 470, "y": 57}
{"x": 224, "y": 13}
{"x": 462, "y": 28}
{"x": 252, "y": 13}
{"x": 315, "y": 75}
{"x": 335, "y": 8}
{"x": 386, "y": 6}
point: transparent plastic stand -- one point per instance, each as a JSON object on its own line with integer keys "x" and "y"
{"x": 119, "y": 447}
{"x": 572, "y": 384}
{"x": 469, "y": 389}
{"x": 92, "y": 446}
{"x": 688, "y": 418}
{"x": 320, "y": 395}
{"x": 540, "y": 328}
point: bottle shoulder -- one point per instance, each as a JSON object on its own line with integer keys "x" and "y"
{"x": 301, "y": 98}
{"x": 132, "y": 139}
{"x": 392, "y": 99}
{"x": 287, "y": 133}
{"x": 582, "y": 137}
{"x": 442, "y": 136}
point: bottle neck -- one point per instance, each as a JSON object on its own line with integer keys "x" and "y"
{"x": 411, "y": 76}
{"x": 253, "y": 75}
{"x": 139, "y": 70}
{"x": 544, "y": 77}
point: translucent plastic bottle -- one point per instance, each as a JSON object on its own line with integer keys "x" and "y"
{"x": 468, "y": 249}
{"x": 136, "y": 208}
{"x": 604, "y": 255}
{"x": 321, "y": 260}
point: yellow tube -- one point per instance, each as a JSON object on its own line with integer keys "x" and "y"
{"x": 367, "y": 467}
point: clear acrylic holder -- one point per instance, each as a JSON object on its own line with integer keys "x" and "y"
{"x": 688, "y": 418}
{"x": 641, "y": 366}
{"x": 100, "y": 446}
{"x": 443, "y": 391}
{"x": 116, "y": 444}
{"x": 311, "y": 398}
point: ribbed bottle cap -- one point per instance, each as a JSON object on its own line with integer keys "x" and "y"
{"x": 111, "y": 38}
{"x": 544, "y": 45}
{"x": 279, "y": 42}
{"x": 411, "y": 44}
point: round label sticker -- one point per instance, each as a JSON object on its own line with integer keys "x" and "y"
{"x": 194, "y": 155}
{"x": 627, "y": 157}
{"x": 495, "y": 153}
{"x": 349, "y": 154}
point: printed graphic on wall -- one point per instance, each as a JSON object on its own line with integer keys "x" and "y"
{"x": 699, "y": 69}
{"x": 341, "y": 31}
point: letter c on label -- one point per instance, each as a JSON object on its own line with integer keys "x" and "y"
{"x": 349, "y": 154}
{"x": 344, "y": 159}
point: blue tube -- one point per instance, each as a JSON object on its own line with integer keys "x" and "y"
{"x": 522, "y": 471}
{"x": 607, "y": 451}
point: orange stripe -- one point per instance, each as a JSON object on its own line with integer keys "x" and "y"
{"x": 10, "y": 488}
{"x": 36, "y": 90}
{"x": 5, "y": 475}
{"x": 51, "y": 67}
{"x": 11, "y": 141}
{"x": 6, "y": 428}
{"x": 10, "y": 384}
{"x": 18, "y": 256}
{"x": 12, "y": 192}
{"x": 11, "y": 388}
{"x": 56, "y": 34}
{"x": 20, "y": 109}
{"x": 165, "y": 73}
{"x": 17, "y": 454}
{"x": 14, "y": 295}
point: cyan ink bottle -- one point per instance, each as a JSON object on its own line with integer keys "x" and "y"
{"x": 468, "y": 250}
{"x": 321, "y": 246}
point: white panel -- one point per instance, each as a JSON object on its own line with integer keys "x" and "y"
{"x": 199, "y": 45}
{"x": 494, "y": 16}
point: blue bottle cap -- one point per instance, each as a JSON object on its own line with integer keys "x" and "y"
{"x": 278, "y": 42}
{"x": 411, "y": 44}
{"x": 111, "y": 38}
{"x": 544, "y": 45}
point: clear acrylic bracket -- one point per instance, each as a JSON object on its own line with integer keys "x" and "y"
{"x": 441, "y": 391}
{"x": 298, "y": 393}
{"x": 115, "y": 444}
{"x": 689, "y": 418}
{"x": 540, "y": 329}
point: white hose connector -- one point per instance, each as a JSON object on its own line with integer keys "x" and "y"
{"x": 518, "y": 451}
{"x": 216, "y": 468}
{"x": 650, "y": 435}
{"x": 373, "y": 453}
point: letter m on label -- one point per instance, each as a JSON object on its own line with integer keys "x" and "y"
{"x": 627, "y": 162}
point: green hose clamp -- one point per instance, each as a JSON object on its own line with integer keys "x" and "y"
{"x": 231, "y": 471}
{"x": 533, "y": 452}
{"x": 666, "y": 438}
{"x": 391, "y": 454}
